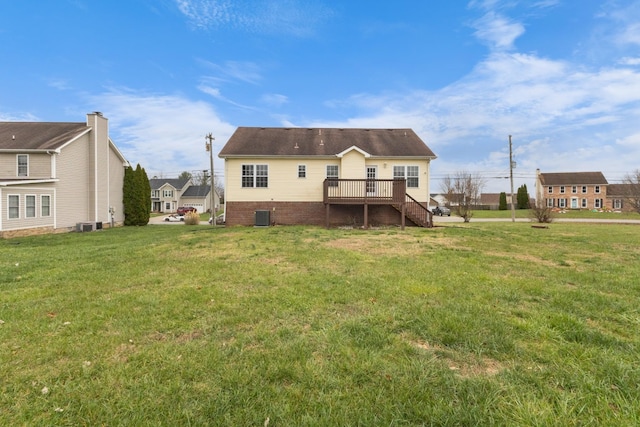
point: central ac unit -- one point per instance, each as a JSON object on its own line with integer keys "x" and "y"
{"x": 262, "y": 219}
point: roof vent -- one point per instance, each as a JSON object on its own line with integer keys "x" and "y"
{"x": 296, "y": 146}
{"x": 322, "y": 142}
{"x": 97, "y": 113}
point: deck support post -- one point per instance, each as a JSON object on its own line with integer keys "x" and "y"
{"x": 404, "y": 215}
{"x": 326, "y": 219}
{"x": 366, "y": 216}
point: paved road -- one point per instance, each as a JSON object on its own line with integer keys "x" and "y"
{"x": 160, "y": 220}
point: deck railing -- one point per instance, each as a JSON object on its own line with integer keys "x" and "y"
{"x": 369, "y": 191}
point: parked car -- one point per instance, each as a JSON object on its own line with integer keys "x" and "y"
{"x": 442, "y": 210}
{"x": 173, "y": 218}
{"x": 182, "y": 210}
{"x": 219, "y": 219}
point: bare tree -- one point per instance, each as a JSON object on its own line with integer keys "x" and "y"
{"x": 632, "y": 189}
{"x": 200, "y": 178}
{"x": 463, "y": 192}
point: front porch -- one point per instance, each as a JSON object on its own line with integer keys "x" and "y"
{"x": 367, "y": 192}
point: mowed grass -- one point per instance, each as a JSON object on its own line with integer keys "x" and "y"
{"x": 469, "y": 324}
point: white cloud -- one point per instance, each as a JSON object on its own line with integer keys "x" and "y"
{"x": 291, "y": 17}
{"x": 274, "y": 99}
{"x": 498, "y": 32}
{"x": 164, "y": 133}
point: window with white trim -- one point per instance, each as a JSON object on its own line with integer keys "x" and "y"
{"x": 302, "y": 171}
{"x": 550, "y": 189}
{"x": 167, "y": 194}
{"x": 155, "y": 194}
{"x": 549, "y": 203}
{"x": 617, "y": 204}
{"x": 597, "y": 203}
{"x": 562, "y": 203}
{"x": 30, "y": 206}
{"x": 255, "y": 176}
{"x": 23, "y": 164}
{"x": 584, "y": 204}
{"x": 562, "y": 189}
{"x": 574, "y": 189}
{"x": 45, "y": 205}
{"x": 13, "y": 204}
{"x": 410, "y": 173}
{"x": 332, "y": 174}
{"x": 597, "y": 189}
{"x": 584, "y": 189}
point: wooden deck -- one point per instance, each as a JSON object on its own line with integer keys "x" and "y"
{"x": 367, "y": 192}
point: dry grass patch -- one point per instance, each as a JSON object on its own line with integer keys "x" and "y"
{"x": 464, "y": 366}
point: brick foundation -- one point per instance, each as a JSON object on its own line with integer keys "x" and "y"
{"x": 310, "y": 213}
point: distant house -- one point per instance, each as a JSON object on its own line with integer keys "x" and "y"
{"x": 57, "y": 175}
{"x": 571, "y": 190}
{"x": 623, "y": 197}
{"x": 326, "y": 176}
{"x": 167, "y": 195}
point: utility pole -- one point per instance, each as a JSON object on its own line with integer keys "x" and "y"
{"x": 513, "y": 208}
{"x": 209, "y": 145}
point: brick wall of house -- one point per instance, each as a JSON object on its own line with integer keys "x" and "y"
{"x": 310, "y": 213}
{"x": 589, "y": 197}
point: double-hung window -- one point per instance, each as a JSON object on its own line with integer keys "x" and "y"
{"x": 166, "y": 194}
{"x": 332, "y": 175}
{"x": 30, "y": 206}
{"x": 255, "y": 176}
{"x": 23, "y": 165}
{"x": 410, "y": 173}
{"x": 302, "y": 171}
{"x": 45, "y": 205}
{"x": 14, "y": 206}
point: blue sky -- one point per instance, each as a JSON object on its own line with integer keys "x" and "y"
{"x": 561, "y": 76}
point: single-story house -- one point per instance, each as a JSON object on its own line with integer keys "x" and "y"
{"x": 326, "y": 176}
{"x": 59, "y": 176}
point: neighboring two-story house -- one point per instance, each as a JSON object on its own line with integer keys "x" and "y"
{"x": 326, "y": 176}
{"x": 571, "y": 190}
{"x": 167, "y": 195}
{"x": 54, "y": 176}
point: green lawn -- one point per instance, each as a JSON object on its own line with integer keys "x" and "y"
{"x": 568, "y": 214}
{"x": 467, "y": 324}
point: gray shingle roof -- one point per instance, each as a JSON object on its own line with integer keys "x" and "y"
{"x": 256, "y": 141}
{"x": 573, "y": 178}
{"x": 622, "y": 190}
{"x": 177, "y": 183}
{"x": 38, "y": 135}
{"x": 196, "y": 191}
